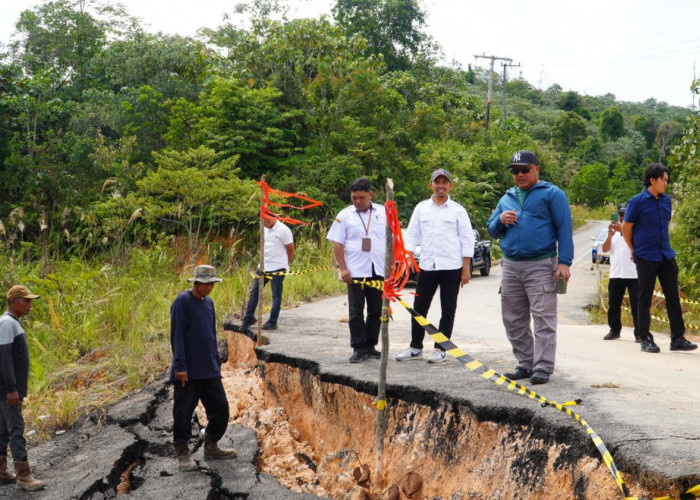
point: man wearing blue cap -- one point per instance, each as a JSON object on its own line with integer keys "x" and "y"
{"x": 533, "y": 222}
{"x": 441, "y": 227}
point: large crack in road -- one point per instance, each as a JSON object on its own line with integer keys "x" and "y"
{"x": 128, "y": 449}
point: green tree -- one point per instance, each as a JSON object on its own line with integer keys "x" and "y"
{"x": 612, "y": 124}
{"x": 195, "y": 192}
{"x": 568, "y": 130}
{"x": 392, "y": 28}
{"x": 647, "y": 126}
{"x": 589, "y": 186}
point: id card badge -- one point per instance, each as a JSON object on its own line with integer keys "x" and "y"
{"x": 366, "y": 244}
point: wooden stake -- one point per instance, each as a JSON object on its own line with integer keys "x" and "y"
{"x": 381, "y": 392}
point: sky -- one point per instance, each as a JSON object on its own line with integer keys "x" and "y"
{"x": 634, "y": 49}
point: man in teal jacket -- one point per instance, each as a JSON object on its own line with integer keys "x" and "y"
{"x": 533, "y": 222}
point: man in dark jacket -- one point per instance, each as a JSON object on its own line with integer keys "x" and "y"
{"x": 533, "y": 222}
{"x": 14, "y": 375}
{"x": 196, "y": 369}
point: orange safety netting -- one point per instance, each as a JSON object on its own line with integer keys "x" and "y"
{"x": 265, "y": 201}
{"x": 401, "y": 270}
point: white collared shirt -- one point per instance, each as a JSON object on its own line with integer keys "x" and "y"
{"x": 621, "y": 266}
{"x": 276, "y": 240}
{"x": 348, "y": 229}
{"x": 444, "y": 233}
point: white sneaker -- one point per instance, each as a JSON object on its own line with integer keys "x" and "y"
{"x": 438, "y": 356}
{"x": 410, "y": 354}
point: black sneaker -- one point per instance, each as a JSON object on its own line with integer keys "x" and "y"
{"x": 374, "y": 354}
{"x": 612, "y": 336}
{"x": 648, "y": 345}
{"x": 269, "y": 326}
{"x": 518, "y": 374}
{"x": 539, "y": 377}
{"x": 358, "y": 357}
{"x": 682, "y": 344}
{"x": 245, "y": 324}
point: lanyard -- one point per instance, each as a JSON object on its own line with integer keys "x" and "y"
{"x": 369, "y": 220}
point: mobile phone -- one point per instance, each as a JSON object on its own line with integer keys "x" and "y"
{"x": 614, "y": 217}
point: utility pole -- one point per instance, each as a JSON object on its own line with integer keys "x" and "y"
{"x": 506, "y": 65}
{"x": 488, "y": 95}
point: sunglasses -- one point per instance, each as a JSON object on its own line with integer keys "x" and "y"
{"x": 519, "y": 170}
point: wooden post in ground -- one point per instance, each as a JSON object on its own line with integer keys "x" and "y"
{"x": 381, "y": 392}
{"x": 261, "y": 278}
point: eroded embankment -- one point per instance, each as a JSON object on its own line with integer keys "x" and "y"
{"x": 330, "y": 429}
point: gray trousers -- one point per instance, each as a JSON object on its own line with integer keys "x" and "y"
{"x": 528, "y": 292}
{"x": 12, "y": 431}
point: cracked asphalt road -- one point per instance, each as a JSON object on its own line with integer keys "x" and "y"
{"x": 135, "y": 434}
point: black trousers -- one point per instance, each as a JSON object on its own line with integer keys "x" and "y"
{"x": 364, "y": 332}
{"x": 667, "y": 272}
{"x": 426, "y": 286}
{"x": 212, "y": 395}
{"x": 616, "y": 292}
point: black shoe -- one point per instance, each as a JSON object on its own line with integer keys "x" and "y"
{"x": 648, "y": 345}
{"x": 269, "y": 326}
{"x": 637, "y": 340}
{"x": 682, "y": 344}
{"x": 539, "y": 377}
{"x": 358, "y": 357}
{"x": 246, "y": 323}
{"x": 612, "y": 336}
{"x": 518, "y": 374}
{"x": 374, "y": 354}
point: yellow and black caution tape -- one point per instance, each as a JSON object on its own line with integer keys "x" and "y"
{"x": 665, "y": 320}
{"x": 295, "y": 273}
{"x": 683, "y": 301}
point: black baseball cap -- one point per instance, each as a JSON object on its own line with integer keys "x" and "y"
{"x": 522, "y": 158}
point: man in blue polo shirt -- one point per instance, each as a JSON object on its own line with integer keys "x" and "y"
{"x": 646, "y": 232}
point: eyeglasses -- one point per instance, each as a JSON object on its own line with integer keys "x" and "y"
{"x": 520, "y": 170}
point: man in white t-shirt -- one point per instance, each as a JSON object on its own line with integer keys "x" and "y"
{"x": 359, "y": 245}
{"x": 279, "y": 251}
{"x": 623, "y": 275}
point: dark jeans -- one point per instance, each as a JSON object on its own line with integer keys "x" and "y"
{"x": 667, "y": 272}
{"x": 12, "y": 431}
{"x": 212, "y": 395}
{"x": 426, "y": 286}
{"x": 364, "y": 332}
{"x": 277, "y": 283}
{"x": 616, "y": 292}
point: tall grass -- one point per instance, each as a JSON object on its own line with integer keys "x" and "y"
{"x": 99, "y": 332}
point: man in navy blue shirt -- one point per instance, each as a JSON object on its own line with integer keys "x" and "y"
{"x": 196, "y": 369}
{"x": 646, "y": 232}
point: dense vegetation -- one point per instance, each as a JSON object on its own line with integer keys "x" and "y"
{"x": 127, "y": 155}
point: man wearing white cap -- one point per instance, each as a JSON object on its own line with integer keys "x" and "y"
{"x": 14, "y": 375}
{"x": 442, "y": 229}
{"x": 196, "y": 369}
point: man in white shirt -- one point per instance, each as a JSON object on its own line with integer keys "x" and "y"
{"x": 623, "y": 275}
{"x": 442, "y": 228}
{"x": 359, "y": 245}
{"x": 278, "y": 254}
